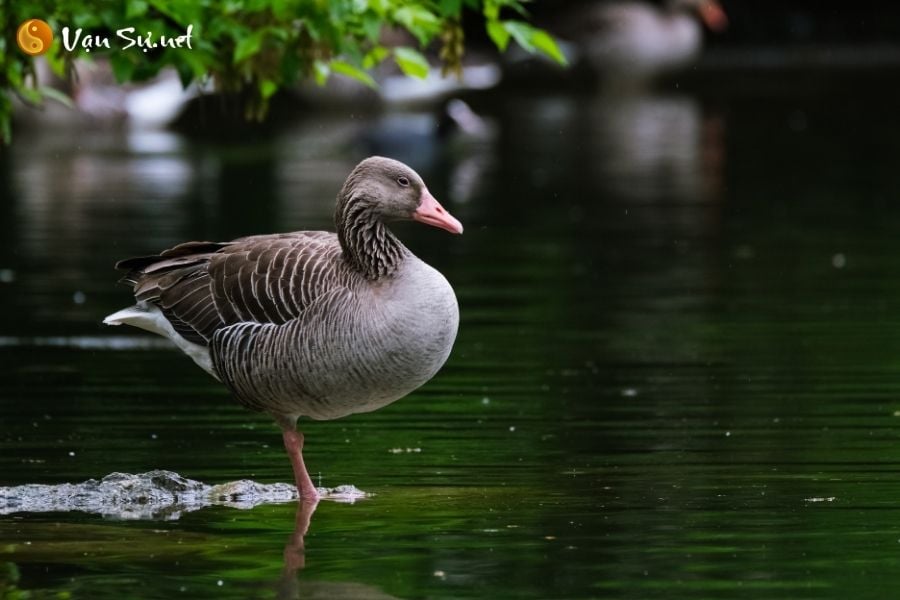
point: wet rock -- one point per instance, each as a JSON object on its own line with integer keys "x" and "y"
{"x": 153, "y": 495}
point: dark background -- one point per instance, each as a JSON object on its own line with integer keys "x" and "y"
{"x": 789, "y": 22}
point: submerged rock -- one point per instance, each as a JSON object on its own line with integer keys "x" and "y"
{"x": 153, "y": 495}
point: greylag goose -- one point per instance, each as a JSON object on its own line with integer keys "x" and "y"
{"x": 311, "y": 323}
{"x": 630, "y": 40}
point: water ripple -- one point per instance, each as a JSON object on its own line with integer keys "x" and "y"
{"x": 156, "y": 494}
{"x": 87, "y": 342}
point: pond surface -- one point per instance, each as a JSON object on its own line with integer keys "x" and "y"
{"x": 677, "y": 372}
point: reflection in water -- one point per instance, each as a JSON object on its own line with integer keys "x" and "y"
{"x": 652, "y": 148}
{"x": 87, "y": 342}
{"x": 629, "y": 149}
{"x": 295, "y": 549}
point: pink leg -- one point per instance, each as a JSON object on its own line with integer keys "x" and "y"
{"x": 293, "y": 443}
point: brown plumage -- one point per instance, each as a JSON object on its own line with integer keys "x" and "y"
{"x": 204, "y": 286}
{"x": 309, "y": 323}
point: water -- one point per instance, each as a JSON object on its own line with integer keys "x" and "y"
{"x": 676, "y": 374}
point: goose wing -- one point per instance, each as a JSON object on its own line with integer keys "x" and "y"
{"x": 201, "y": 287}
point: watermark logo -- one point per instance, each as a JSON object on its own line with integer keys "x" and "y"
{"x": 34, "y": 37}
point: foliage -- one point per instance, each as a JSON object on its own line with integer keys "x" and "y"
{"x": 257, "y": 47}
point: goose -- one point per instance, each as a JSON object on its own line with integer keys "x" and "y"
{"x": 634, "y": 41}
{"x": 309, "y": 324}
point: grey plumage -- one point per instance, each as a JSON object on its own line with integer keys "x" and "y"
{"x": 310, "y": 323}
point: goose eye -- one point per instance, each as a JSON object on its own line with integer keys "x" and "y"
{"x": 403, "y": 181}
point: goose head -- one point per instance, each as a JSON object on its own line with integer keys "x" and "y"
{"x": 709, "y": 11}
{"x": 381, "y": 190}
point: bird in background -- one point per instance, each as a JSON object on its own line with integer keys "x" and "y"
{"x": 636, "y": 41}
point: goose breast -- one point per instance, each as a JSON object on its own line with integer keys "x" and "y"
{"x": 354, "y": 349}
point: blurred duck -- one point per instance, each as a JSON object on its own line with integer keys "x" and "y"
{"x": 421, "y": 138}
{"x": 152, "y": 104}
{"x": 634, "y": 41}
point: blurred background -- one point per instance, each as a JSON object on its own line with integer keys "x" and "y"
{"x": 677, "y": 367}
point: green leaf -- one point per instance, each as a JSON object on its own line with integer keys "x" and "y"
{"x": 491, "y": 10}
{"x": 348, "y": 70}
{"x": 450, "y": 8}
{"x": 282, "y": 9}
{"x": 54, "y": 94}
{"x": 278, "y": 33}
{"x": 498, "y": 34}
{"x": 380, "y": 6}
{"x": 291, "y": 68}
{"x": 371, "y": 26}
{"x": 516, "y": 6}
{"x": 533, "y": 40}
{"x": 181, "y": 11}
{"x": 321, "y": 71}
{"x": 30, "y": 95}
{"x": 411, "y": 62}
{"x": 185, "y": 74}
{"x": 267, "y": 87}
{"x": 56, "y": 58}
{"x": 419, "y": 21}
{"x": 522, "y": 33}
{"x": 375, "y": 56}
{"x": 135, "y": 8}
{"x": 247, "y": 47}
{"x": 314, "y": 28}
{"x": 14, "y": 76}
{"x": 195, "y": 61}
{"x": 257, "y": 5}
{"x": 545, "y": 43}
{"x": 122, "y": 67}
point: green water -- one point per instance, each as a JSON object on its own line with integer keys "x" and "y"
{"x": 676, "y": 374}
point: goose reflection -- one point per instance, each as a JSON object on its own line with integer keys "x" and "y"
{"x": 293, "y": 586}
{"x": 652, "y": 147}
{"x": 295, "y": 548}
{"x": 631, "y": 148}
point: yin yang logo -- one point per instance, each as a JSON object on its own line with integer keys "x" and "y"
{"x": 34, "y": 37}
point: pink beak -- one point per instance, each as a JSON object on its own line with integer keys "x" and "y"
{"x": 432, "y": 213}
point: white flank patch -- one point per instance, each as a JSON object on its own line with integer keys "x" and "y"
{"x": 149, "y": 318}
